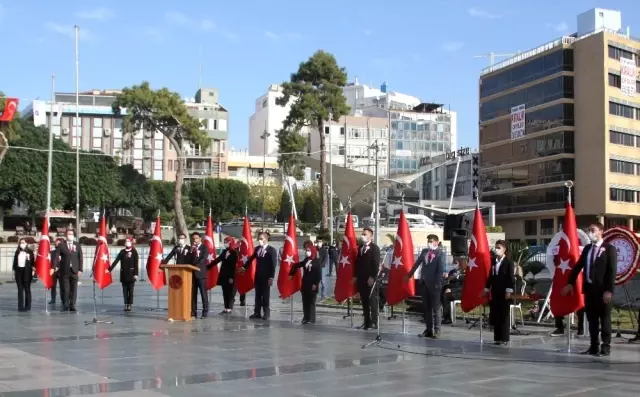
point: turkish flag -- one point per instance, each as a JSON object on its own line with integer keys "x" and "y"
{"x": 101, "y": 260}
{"x": 478, "y": 268}
{"x": 245, "y": 280}
{"x": 289, "y": 257}
{"x": 43, "y": 261}
{"x": 399, "y": 288}
{"x": 157, "y": 277}
{"x": 344, "y": 288}
{"x": 565, "y": 259}
{"x": 212, "y": 274}
{"x": 10, "y": 109}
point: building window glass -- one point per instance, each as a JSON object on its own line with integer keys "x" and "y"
{"x": 622, "y": 167}
{"x": 341, "y": 151}
{"x": 137, "y": 164}
{"x": 530, "y": 227}
{"x": 617, "y": 53}
{"x": 617, "y": 109}
{"x": 157, "y": 164}
{"x": 546, "y": 226}
{"x": 623, "y": 195}
{"x": 527, "y": 149}
{"x": 532, "y": 200}
{"x": 158, "y": 144}
{"x": 620, "y": 138}
{"x": 137, "y": 144}
{"x": 528, "y": 175}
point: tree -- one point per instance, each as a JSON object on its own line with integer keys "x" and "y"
{"x": 221, "y": 195}
{"x": 291, "y": 144}
{"x": 316, "y": 94}
{"x": 163, "y": 111}
{"x": 270, "y": 195}
{"x": 285, "y": 206}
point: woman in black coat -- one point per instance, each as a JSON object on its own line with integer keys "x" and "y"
{"x": 311, "y": 278}
{"x": 129, "y": 261}
{"x": 23, "y": 272}
{"x": 500, "y": 285}
{"x": 227, "y": 275}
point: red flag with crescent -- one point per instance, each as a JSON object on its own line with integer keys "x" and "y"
{"x": 344, "y": 288}
{"x": 289, "y": 257}
{"x": 478, "y": 267}
{"x": 245, "y": 280}
{"x": 101, "y": 260}
{"x": 399, "y": 288}
{"x": 212, "y": 274}
{"x": 157, "y": 277}
{"x": 43, "y": 261}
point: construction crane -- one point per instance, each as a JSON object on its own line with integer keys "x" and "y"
{"x": 492, "y": 56}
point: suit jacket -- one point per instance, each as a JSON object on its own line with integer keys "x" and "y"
{"x": 603, "y": 270}
{"x": 198, "y": 258}
{"x": 70, "y": 261}
{"x": 432, "y": 268}
{"x": 503, "y": 281}
{"x": 25, "y": 274}
{"x": 367, "y": 262}
{"x": 229, "y": 259}
{"x": 265, "y": 263}
{"x": 323, "y": 256}
{"x": 129, "y": 263}
{"x": 310, "y": 276}
{"x": 181, "y": 254}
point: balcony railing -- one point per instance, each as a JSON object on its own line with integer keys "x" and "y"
{"x": 197, "y": 153}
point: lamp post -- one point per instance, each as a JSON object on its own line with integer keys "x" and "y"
{"x": 264, "y": 137}
{"x": 75, "y": 136}
{"x": 330, "y": 185}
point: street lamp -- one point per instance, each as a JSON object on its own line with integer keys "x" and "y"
{"x": 264, "y": 170}
{"x": 330, "y": 185}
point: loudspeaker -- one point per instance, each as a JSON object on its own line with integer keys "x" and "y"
{"x": 459, "y": 245}
{"x": 453, "y": 222}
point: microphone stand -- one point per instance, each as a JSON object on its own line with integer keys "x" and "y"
{"x": 95, "y": 308}
{"x": 378, "y": 341}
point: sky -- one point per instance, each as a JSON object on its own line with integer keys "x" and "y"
{"x": 424, "y": 48}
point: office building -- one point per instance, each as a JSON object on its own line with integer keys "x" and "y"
{"x": 567, "y": 110}
{"x": 437, "y": 182}
{"x": 149, "y": 152}
{"x": 249, "y": 169}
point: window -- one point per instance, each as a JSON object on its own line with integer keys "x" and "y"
{"x": 615, "y": 80}
{"x": 97, "y": 122}
{"x": 528, "y": 175}
{"x": 117, "y": 143}
{"x": 223, "y": 167}
{"x": 96, "y": 143}
{"x": 157, "y": 145}
{"x": 170, "y": 165}
{"x": 326, "y": 130}
{"x": 546, "y": 226}
{"x": 223, "y": 146}
{"x": 341, "y": 150}
{"x": 530, "y": 227}
{"x": 617, "y": 109}
{"x": 620, "y": 138}
{"x": 617, "y": 53}
{"x": 157, "y": 164}
{"x": 622, "y": 167}
{"x": 137, "y": 144}
{"x": 622, "y": 195}
{"x": 137, "y": 164}
{"x": 341, "y": 130}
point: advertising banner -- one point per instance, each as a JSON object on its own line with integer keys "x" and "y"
{"x": 518, "y": 121}
{"x": 628, "y": 76}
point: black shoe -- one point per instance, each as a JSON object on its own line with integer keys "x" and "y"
{"x": 435, "y": 335}
{"x": 223, "y": 312}
{"x": 426, "y": 334}
{"x": 22, "y": 310}
{"x": 604, "y": 353}
{"x": 374, "y": 326}
{"x": 205, "y": 314}
{"x": 52, "y": 302}
{"x": 305, "y": 322}
{"x": 557, "y": 332}
{"x": 64, "y": 309}
{"x": 364, "y": 327}
{"x": 265, "y": 317}
{"x": 447, "y": 322}
{"x": 590, "y": 352}
{"x": 243, "y": 304}
{"x": 72, "y": 309}
{"x": 581, "y": 334}
{"x": 255, "y": 317}
{"x": 497, "y": 343}
{"x": 635, "y": 339}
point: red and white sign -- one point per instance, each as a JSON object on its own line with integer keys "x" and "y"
{"x": 628, "y": 76}
{"x": 628, "y": 250}
{"x": 518, "y": 121}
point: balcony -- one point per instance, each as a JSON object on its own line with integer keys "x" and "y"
{"x": 195, "y": 173}
{"x": 197, "y": 153}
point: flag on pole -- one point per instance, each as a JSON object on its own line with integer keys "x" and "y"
{"x": 398, "y": 289}
{"x": 101, "y": 260}
{"x": 288, "y": 287}
{"x": 156, "y": 276}
{"x": 43, "y": 261}
{"x": 565, "y": 260}
{"x": 245, "y": 280}
{"x": 344, "y": 288}
{"x": 478, "y": 267}
{"x": 212, "y": 274}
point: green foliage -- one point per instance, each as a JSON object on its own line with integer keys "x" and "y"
{"x": 270, "y": 195}
{"x": 219, "y": 195}
{"x": 285, "y": 206}
{"x": 493, "y": 229}
{"x": 315, "y": 91}
{"x": 197, "y": 214}
{"x": 291, "y": 145}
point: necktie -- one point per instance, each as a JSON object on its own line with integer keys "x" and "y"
{"x": 70, "y": 247}
{"x": 431, "y": 255}
{"x": 594, "y": 255}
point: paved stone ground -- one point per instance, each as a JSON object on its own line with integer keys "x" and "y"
{"x": 142, "y": 355}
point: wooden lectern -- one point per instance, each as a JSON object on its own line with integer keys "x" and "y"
{"x": 179, "y": 281}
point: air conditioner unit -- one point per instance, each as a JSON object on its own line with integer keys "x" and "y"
{"x": 147, "y": 146}
{"x": 107, "y": 132}
{"x": 65, "y": 131}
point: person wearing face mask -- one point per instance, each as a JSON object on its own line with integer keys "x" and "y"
{"x": 366, "y": 270}
{"x": 180, "y": 251}
{"x": 54, "y": 278}
{"x": 129, "y": 263}
{"x": 69, "y": 269}
{"x": 599, "y": 261}
{"x": 500, "y": 285}
{"x": 323, "y": 256}
{"x": 227, "y": 275}
{"x": 23, "y": 272}
{"x": 311, "y": 278}
{"x": 267, "y": 259}
{"x": 431, "y": 262}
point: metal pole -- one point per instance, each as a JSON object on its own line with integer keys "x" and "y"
{"x": 453, "y": 189}
{"x": 570, "y": 321}
{"x": 404, "y": 328}
{"x": 50, "y": 157}
{"x": 264, "y": 170}
{"x": 76, "y": 141}
{"x": 291, "y": 301}
{"x": 330, "y": 185}
{"x": 377, "y": 208}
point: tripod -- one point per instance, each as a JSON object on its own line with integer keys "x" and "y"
{"x": 482, "y": 320}
{"x": 514, "y": 304}
{"x": 95, "y": 309}
{"x": 378, "y": 341}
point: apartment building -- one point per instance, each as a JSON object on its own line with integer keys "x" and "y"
{"x": 567, "y": 110}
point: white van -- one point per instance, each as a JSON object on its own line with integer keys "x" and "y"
{"x": 415, "y": 221}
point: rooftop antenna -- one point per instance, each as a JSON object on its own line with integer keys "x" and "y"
{"x": 492, "y": 56}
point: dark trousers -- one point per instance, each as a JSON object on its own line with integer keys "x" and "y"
{"x": 499, "y": 317}
{"x": 447, "y": 315}
{"x": 382, "y": 297}
{"x": 263, "y": 294}
{"x": 309, "y": 306}
{"x": 579, "y": 315}
{"x": 55, "y": 280}
{"x": 127, "y": 292}
{"x": 24, "y": 294}
{"x": 228, "y": 294}
{"x": 243, "y": 299}
{"x": 69, "y": 289}
{"x": 431, "y": 307}
{"x": 198, "y": 284}
{"x": 369, "y": 304}
{"x": 599, "y": 317}
{"x": 330, "y": 267}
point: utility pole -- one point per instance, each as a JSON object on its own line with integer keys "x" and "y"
{"x": 264, "y": 136}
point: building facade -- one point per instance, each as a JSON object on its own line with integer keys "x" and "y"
{"x": 438, "y": 181}
{"x": 247, "y": 168}
{"x": 98, "y": 129}
{"x": 567, "y": 110}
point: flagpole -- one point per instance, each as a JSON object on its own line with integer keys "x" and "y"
{"x": 212, "y": 246}
{"x": 484, "y": 307}
{"x": 569, "y": 185}
{"x": 49, "y": 177}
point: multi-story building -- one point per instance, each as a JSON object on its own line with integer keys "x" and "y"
{"x": 361, "y": 97}
{"x": 437, "y": 182}
{"x": 247, "y": 168}
{"x": 567, "y": 110}
{"x": 149, "y": 152}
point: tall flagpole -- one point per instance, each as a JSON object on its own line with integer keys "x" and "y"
{"x": 76, "y": 140}
{"x": 50, "y": 157}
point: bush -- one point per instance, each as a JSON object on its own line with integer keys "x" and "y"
{"x": 226, "y": 216}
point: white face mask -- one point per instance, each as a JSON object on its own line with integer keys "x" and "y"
{"x": 593, "y": 237}
{"x": 262, "y": 243}
{"x": 499, "y": 252}
{"x": 319, "y": 245}
{"x": 226, "y": 245}
{"x": 181, "y": 241}
{"x": 434, "y": 246}
{"x": 128, "y": 244}
{"x": 364, "y": 239}
{"x": 23, "y": 246}
{"x": 70, "y": 237}
{"x": 308, "y": 254}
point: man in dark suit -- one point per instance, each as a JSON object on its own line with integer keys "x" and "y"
{"x": 432, "y": 265}
{"x": 500, "y": 286}
{"x": 267, "y": 259}
{"x": 198, "y": 258}
{"x": 366, "y": 270}
{"x": 180, "y": 251}
{"x": 68, "y": 268}
{"x": 599, "y": 261}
